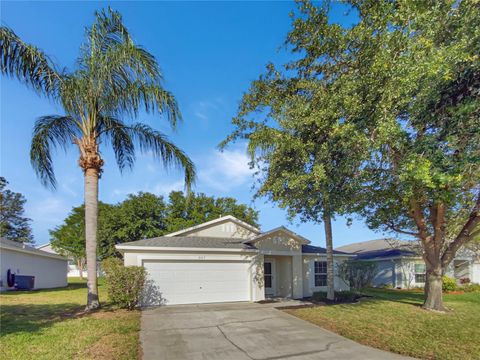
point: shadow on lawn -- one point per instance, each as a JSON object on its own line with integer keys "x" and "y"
{"x": 71, "y": 286}
{"x": 31, "y": 318}
{"x": 401, "y": 296}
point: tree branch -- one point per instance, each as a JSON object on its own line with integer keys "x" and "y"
{"x": 437, "y": 218}
{"x": 425, "y": 237}
{"x": 466, "y": 234}
{"x": 406, "y": 232}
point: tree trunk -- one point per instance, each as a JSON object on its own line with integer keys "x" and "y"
{"x": 80, "y": 268}
{"x": 433, "y": 288}
{"x": 91, "y": 218}
{"x": 327, "y": 223}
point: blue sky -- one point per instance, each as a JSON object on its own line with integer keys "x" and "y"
{"x": 209, "y": 53}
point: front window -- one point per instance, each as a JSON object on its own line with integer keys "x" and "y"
{"x": 420, "y": 273}
{"x": 320, "y": 268}
{"x": 267, "y": 271}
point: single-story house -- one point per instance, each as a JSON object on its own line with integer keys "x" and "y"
{"x": 400, "y": 264}
{"x": 49, "y": 270}
{"x": 73, "y": 268}
{"x": 226, "y": 260}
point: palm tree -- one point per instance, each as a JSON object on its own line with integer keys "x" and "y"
{"x": 113, "y": 81}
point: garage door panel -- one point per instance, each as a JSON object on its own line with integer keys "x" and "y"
{"x": 187, "y": 282}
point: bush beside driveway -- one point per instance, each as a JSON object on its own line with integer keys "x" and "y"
{"x": 49, "y": 324}
{"x": 394, "y": 321}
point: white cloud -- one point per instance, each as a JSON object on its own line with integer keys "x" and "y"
{"x": 203, "y": 109}
{"x": 225, "y": 170}
{"x": 159, "y": 188}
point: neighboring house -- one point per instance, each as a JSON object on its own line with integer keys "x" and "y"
{"x": 227, "y": 260}
{"x": 400, "y": 264}
{"x": 73, "y": 269}
{"x": 49, "y": 270}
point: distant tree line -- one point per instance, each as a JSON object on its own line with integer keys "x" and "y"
{"x": 140, "y": 216}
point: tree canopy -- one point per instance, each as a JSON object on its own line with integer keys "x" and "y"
{"x": 68, "y": 239}
{"x": 396, "y": 95}
{"x": 13, "y": 224}
{"x": 185, "y": 211}
{"x": 143, "y": 215}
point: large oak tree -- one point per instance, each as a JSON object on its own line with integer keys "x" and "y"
{"x": 404, "y": 79}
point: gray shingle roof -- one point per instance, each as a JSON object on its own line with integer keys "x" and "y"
{"x": 9, "y": 244}
{"x": 380, "y": 254}
{"x": 309, "y": 249}
{"x": 383, "y": 248}
{"x": 212, "y": 242}
{"x": 191, "y": 241}
{"x": 379, "y": 244}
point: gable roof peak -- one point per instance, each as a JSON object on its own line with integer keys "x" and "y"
{"x": 279, "y": 229}
{"x": 213, "y": 222}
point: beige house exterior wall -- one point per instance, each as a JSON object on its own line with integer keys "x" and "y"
{"x": 279, "y": 242}
{"x": 224, "y": 229}
{"x": 308, "y": 278}
{"x": 293, "y": 276}
{"x": 255, "y": 261}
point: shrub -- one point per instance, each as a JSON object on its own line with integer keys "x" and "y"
{"x": 357, "y": 274}
{"x": 125, "y": 284}
{"x": 471, "y": 288}
{"x": 340, "y": 296}
{"x": 465, "y": 281}
{"x": 449, "y": 284}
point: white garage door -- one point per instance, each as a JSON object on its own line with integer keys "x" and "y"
{"x": 190, "y": 282}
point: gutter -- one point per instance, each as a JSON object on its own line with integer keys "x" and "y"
{"x": 183, "y": 249}
{"x": 26, "y": 251}
{"x": 324, "y": 254}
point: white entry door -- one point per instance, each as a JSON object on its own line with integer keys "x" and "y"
{"x": 269, "y": 277}
{"x": 194, "y": 282}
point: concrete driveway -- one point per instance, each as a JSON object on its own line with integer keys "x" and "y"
{"x": 242, "y": 331}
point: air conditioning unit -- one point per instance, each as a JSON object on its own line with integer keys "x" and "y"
{"x": 24, "y": 282}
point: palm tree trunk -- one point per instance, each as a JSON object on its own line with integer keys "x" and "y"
{"x": 91, "y": 218}
{"x": 327, "y": 223}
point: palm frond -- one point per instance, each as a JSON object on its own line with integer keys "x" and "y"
{"x": 149, "y": 139}
{"x": 50, "y": 132}
{"x": 27, "y": 63}
{"x": 135, "y": 96}
{"x": 124, "y": 77}
{"x": 119, "y": 135}
{"x": 107, "y": 30}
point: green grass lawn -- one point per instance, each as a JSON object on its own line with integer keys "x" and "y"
{"x": 49, "y": 324}
{"x": 394, "y": 321}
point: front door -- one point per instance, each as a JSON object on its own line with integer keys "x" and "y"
{"x": 268, "y": 276}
